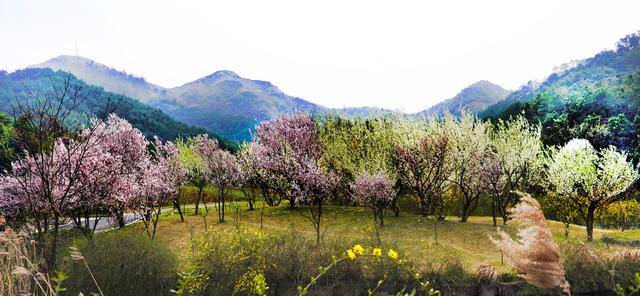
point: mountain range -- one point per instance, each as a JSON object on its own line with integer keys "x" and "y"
{"x": 32, "y": 84}
{"x": 231, "y": 106}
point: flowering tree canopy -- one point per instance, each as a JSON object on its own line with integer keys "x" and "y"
{"x": 289, "y": 147}
{"x": 469, "y": 148}
{"x": 516, "y": 162}
{"x": 588, "y": 179}
{"x": 221, "y": 168}
{"x": 375, "y": 192}
{"x": 424, "y": 167}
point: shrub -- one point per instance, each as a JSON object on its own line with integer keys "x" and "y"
{"x": 123, "y": 263}
{"x": 585, "y": 270}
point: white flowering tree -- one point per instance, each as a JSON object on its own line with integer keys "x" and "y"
{"x": 470, "y": 148}
{"x": 517, "y": 162}
{"x": 589, "y": 180}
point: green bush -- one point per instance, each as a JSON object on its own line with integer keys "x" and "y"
{"x": 123, "y": 263}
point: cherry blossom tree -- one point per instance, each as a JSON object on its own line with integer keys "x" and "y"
{"x": 375, "y": 192}
{"x": 221, "y": 169}
{"x": 469, "y": 150}
{"x": 289, "y": 148}
{"x": 161, "y": 176}
{"x": 354, "y": 145}
{"x": 284, "y": 146}
{"x": 424, "y": 167}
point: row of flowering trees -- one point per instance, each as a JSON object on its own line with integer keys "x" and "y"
{"x": 105, "y": 169}
{"x": 109, "y": 168}
{"x": 455, "y": 162}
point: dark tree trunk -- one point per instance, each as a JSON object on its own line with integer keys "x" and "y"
{"x": 589, "y": 222}
{"x": 221, "y": 206}
{"x": 251, "y": 205}
{"x": 120, "y": 218}
{"x": 54, "y": 245}
{"x": 493, "y": 212}
{"x": 176, "y": 204}
{"x": 198, "y": 198}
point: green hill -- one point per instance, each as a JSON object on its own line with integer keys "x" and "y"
{"x": 599, "y": 100}
{"x": 474, "y": 98}
{"x": 151, "y": 121}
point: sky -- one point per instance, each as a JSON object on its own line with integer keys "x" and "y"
{"x": 401, "y": 55}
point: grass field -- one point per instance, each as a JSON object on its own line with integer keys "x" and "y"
{"x": 412, "y": 234}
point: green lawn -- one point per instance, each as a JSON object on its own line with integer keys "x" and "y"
{"x": 411, "y": 233}
{"x": 627, "y": 235}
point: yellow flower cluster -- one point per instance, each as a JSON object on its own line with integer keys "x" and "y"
{"x": 359, "y": 250}
{"x": 392, "y": 254}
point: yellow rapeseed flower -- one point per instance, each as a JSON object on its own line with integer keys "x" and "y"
{"x": 351, "y": 255}
{"x": 392, "y": 254}
{"x": 377, "y": 251}
{"x": 358, "y": 249}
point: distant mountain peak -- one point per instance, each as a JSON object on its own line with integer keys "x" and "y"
{"x": 473, "y": 98}
{"x": 110, "y": 79}
{"x": 222, "y": 74}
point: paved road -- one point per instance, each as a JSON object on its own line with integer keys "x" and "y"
{"x": 107, "y": 223}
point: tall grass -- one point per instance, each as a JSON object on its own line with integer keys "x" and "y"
{"x": 20, "y": 271}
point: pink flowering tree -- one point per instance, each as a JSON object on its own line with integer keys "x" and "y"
{"x": 255, "y": 180}
{"x": 375, "y": 192}
{"x": 424, "y": 167}
{"x": 76, "y": 178}
{"x": 221, "y": 168}
{"x": 289, "y": 148}
{"x": 157, "y": 185}
{"x": 123, "y": 149}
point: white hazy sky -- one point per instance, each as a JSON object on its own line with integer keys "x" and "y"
{"x": 404, "y": 55}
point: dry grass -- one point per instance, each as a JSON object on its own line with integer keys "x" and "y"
{"x": 20, "y": 272}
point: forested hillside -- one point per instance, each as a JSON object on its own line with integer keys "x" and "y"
{"x": 573, "y": 77}
{"x": 25, "y": 85}
{"x": 597, "y": 100}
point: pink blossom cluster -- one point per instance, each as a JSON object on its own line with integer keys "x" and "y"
{"x": 374, "y": 191}
{"x": 107, "y": 167}
{"x": 289, "y": 147}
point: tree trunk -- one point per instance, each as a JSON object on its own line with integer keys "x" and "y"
{"x": 176, "y": 204}
{"x": 120, "y": 218}
{"x": 589, "y": 222}
{"x": 251, "y": 205}
{"x": 493, "y": 211}
{"x": 221, "y": 206}
{"x": 319, "y": 217}
{"x": 465, "y": 213}
{"x": 198, "y": 198}
{"x": 54, "y": 245}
